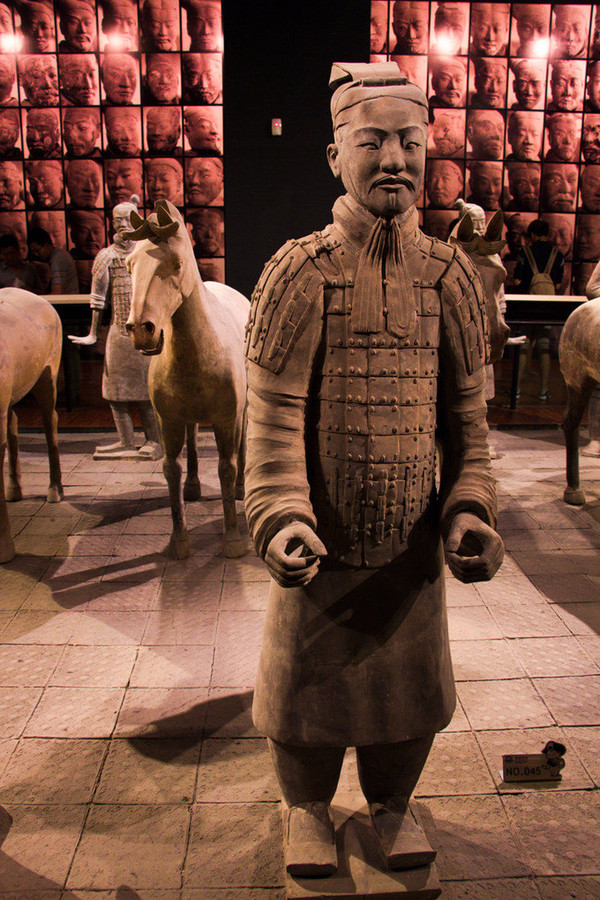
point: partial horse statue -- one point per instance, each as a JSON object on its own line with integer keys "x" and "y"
{"x": 579, "y": 356}
{"x": 195, "y": 335}
{"x": 30, "y": 348}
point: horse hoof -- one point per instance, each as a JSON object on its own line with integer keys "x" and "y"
{"x": 233, "y": 547}
{"x": 13, "y": 493}
{"x": 55, "y": 494}
{"x": 192, "y": 490}
{"x": 7, "y": 551}
{"x": 179, "y": 549}
{"x": 574, "y": 496}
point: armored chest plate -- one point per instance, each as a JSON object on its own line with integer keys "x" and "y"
{"x": 375, "y": 440}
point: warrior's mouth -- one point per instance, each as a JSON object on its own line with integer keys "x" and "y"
{"x": 394, "y": 183}
{"x": 158, "y": 347}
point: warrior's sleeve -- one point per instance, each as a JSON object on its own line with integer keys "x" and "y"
{"x": 100, "y": 279}
{"x": 282, "y": 335}
{"x": 466, "y": 482}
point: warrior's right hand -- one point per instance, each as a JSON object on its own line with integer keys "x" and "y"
{"x": 293, "y": 555}
{"x": 88, "y": 340}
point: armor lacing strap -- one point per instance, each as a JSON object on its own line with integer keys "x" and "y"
{"x": 382, "y": 287}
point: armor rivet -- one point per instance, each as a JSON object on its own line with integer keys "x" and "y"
{"x": 336, "y": 427}
{"x": 350, "y": 282}
{"x": 394, "y": 409}
{"x": 415, "y": 380}
{"x": 415, "y": 352}
{"x": 329, "y": 428}
{"x": 420, "y": 428}
{"x": 371, "y": 399}
{"x": 415, "y": 439}
{"x": 383, "y": 400}
{"x": 349, "y": 427}
{"x": 383, "y": 459}
{"x": 334, "y": 282}
{"x": 384, "y": 282}
{"x": 359, "y": 458}
{"x": 406, "y": 372}
{"x": 428, "y": 343}
{"x": 340, "y": 343}
{"x": 358, "y": 429}
{"x": 352, "y": 370}
{"x": 373, "y": 352}
{"x": 349, "y": 398}
{"x": 359, "y": 371}
{"x": 385, "y": 310}
{"x": 349, "y": 456}
{"x": 384, "y": 371}
{"x": 339, "y": 371}
{"x": 350, "y": 439}
{"x": 338, "y": 397}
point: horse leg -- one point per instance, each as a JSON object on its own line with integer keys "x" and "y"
{"x": 228, "y": 449}
{"x": 577, "y": 398}
{"x": 13, "y": 490}
{"x": 44, "y": 392}
{"x": 173, "y": 435}
{"x": 7, "y": 546}
{"x": 191, "y": 488}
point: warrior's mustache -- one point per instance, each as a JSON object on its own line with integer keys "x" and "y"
{"x": 394, "y": 181}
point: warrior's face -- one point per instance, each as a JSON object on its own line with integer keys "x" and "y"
{"x": 379, "y": 154}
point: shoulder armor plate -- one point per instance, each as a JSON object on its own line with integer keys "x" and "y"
{"x": 288, "y": 286}
{"x": 102, "y": 261}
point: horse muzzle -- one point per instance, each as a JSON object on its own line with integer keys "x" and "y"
{"x": 143, "y": 336}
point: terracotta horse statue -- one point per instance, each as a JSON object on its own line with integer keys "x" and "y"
{"x": 579, "y": 356}
{"x": 194, "y": 333}
{"x": 30, "y": 349}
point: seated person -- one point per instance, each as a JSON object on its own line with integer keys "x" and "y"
{"x": 14, "y": 271}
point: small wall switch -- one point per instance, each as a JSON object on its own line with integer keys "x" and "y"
{"x": 276, "y": 127}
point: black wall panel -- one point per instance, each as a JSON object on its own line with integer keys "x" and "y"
{"x": 277, "y": 61}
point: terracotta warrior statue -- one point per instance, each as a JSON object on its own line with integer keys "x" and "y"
{"x": 125, "y": 376}
{"x": 367, "y": 342}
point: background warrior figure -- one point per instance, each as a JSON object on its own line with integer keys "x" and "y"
{"x": 125, "y": 377}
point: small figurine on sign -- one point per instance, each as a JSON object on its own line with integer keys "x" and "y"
{"x": 125, "y": 378}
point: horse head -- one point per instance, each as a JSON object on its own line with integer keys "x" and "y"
{"x": 163, "y": 273}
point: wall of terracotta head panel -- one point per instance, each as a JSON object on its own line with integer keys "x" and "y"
{"x": 514, "y": 91}
{"x": 101, "y": 101}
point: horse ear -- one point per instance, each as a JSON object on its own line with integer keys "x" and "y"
{"x": 135, "y": 219}
{"x": 162, "y": 213}
{"x": 493, "y": 232}
{"x": 163, "y": 232}
{"x": 464, "y": 231}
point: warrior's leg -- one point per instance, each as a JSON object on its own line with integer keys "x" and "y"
{"x": 388, "y": 775}
{"x": 125, "y": 446}
{"x": 151, "y": 449}
{"x": 308, "y": 777}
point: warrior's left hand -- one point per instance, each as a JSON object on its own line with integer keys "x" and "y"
{"x": 474, "y": 551}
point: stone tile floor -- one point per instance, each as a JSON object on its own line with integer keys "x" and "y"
{"x": 129, "y": 767}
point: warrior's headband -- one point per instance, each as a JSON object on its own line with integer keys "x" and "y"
{"x": 353, "y": 83}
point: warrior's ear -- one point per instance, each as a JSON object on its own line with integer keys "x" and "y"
{"x": 334, "y": 160}
{"x": 493, "y": 232}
